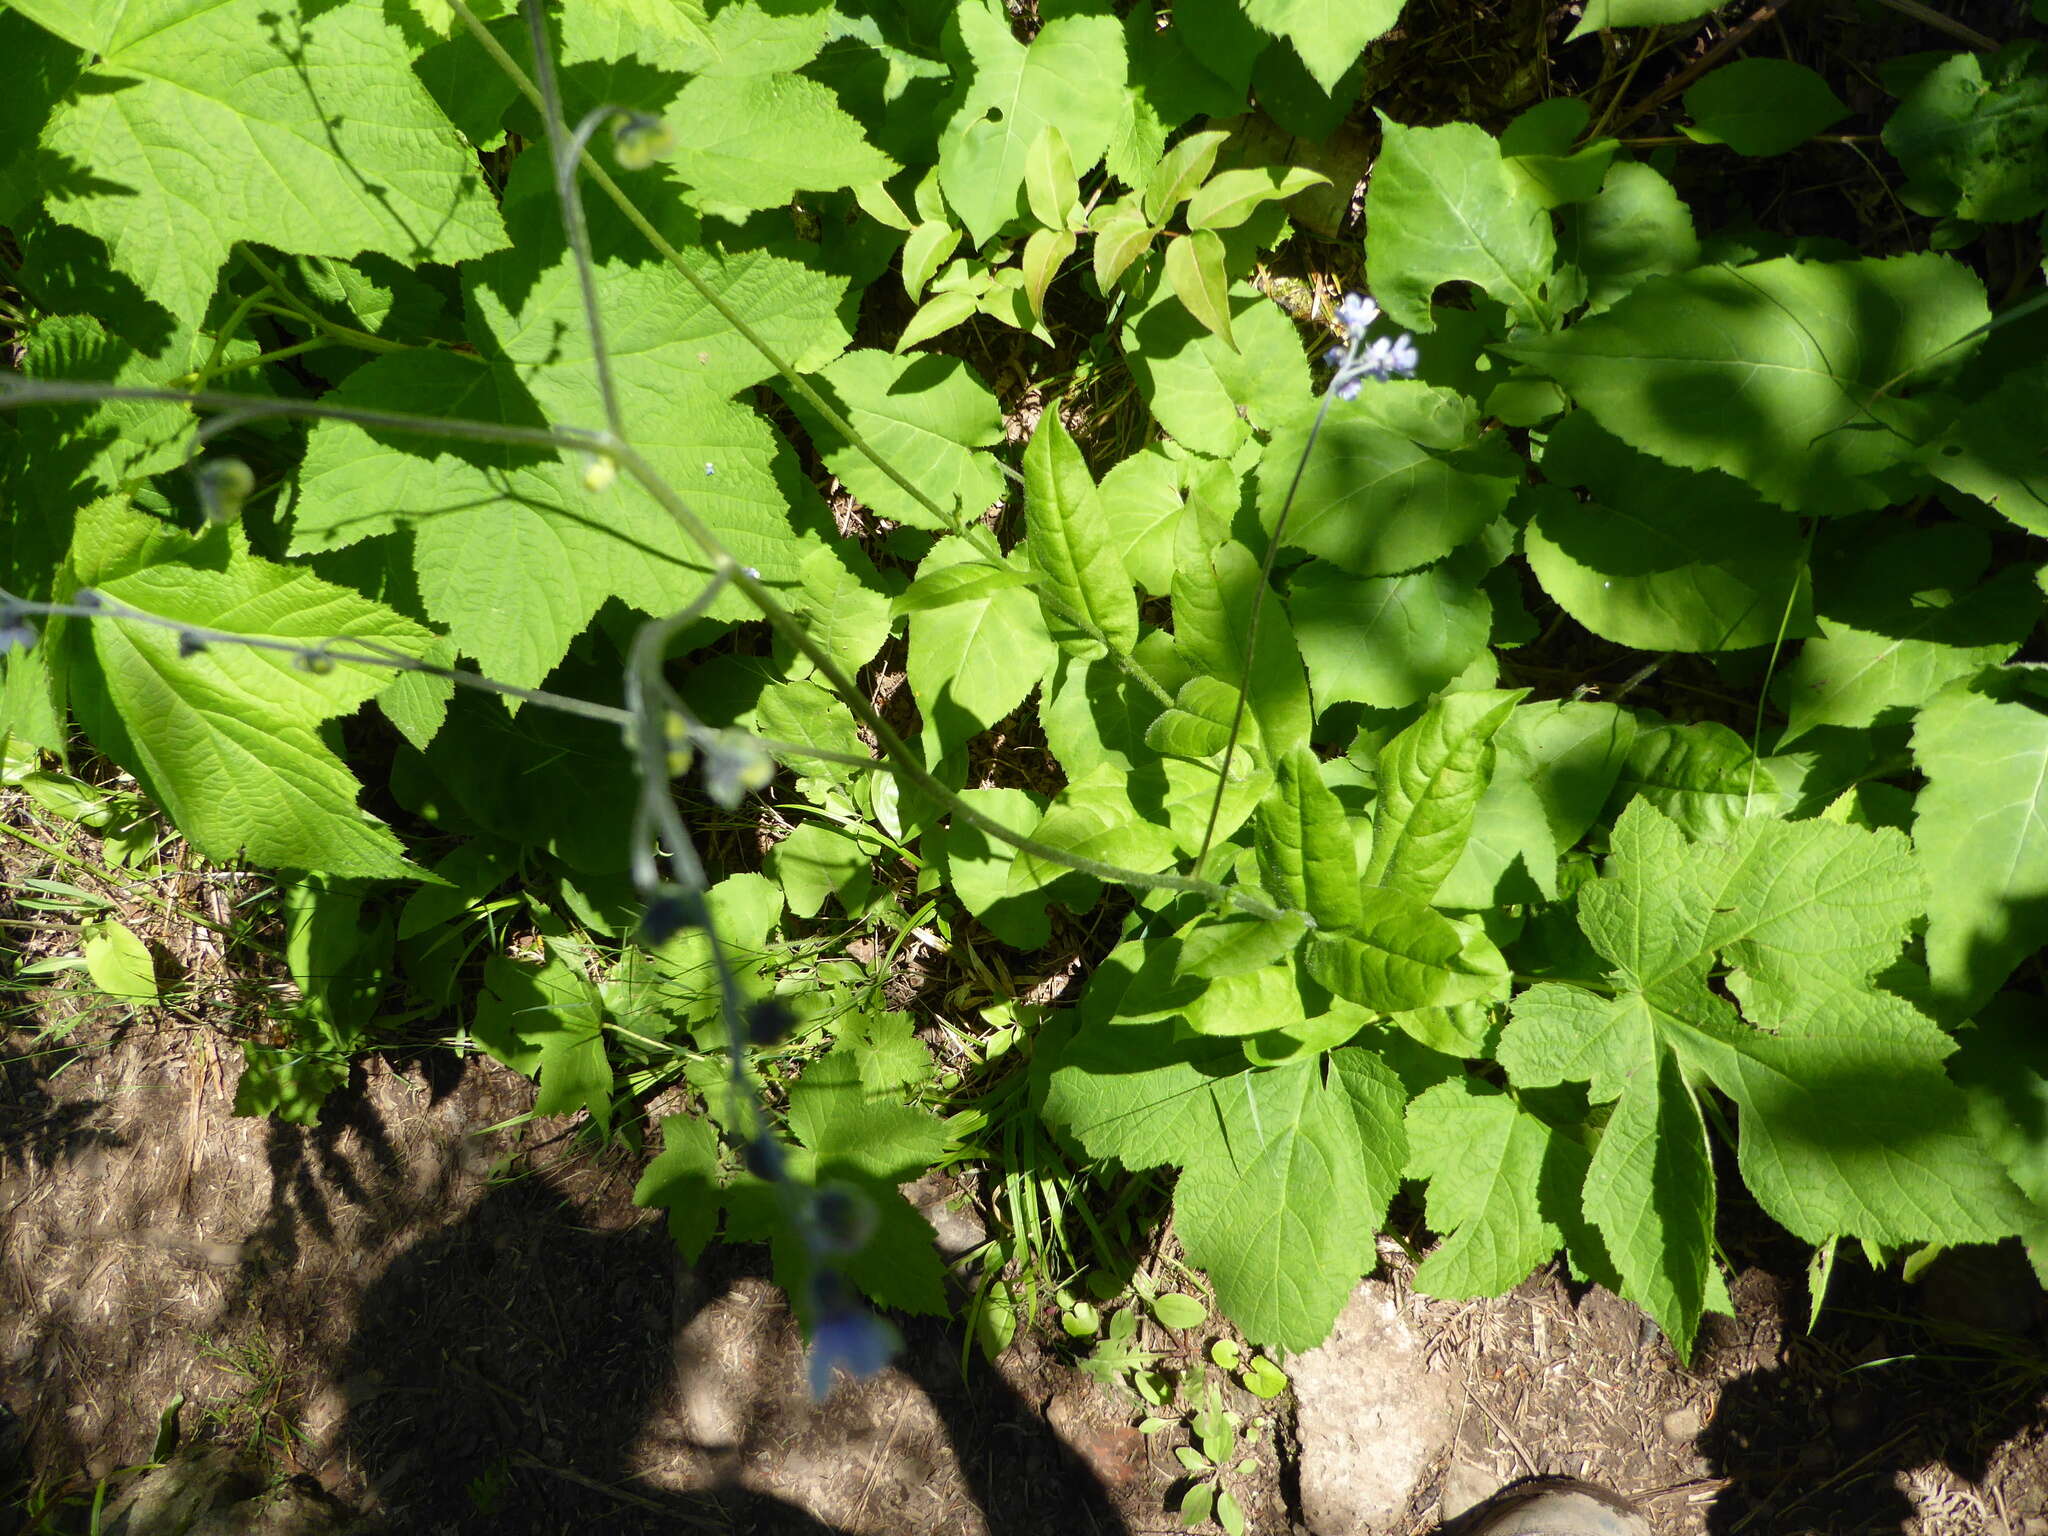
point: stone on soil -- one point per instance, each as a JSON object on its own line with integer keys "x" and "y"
{"x": 1372, "y": 1418}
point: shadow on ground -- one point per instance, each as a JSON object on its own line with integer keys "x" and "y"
{"x": 521, "y": 1372}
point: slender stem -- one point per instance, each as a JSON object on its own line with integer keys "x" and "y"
{"x": 313, "y": 317}
{"x": 977, "y": 535}
{"x": 222, "y": 336}
{"x": 216, "y": 369}
{"x": 562, "y": 156}
{"x": 17, "y": 391}
{"x": 1706, "y": 61}
{"x": 907, "y": 762}
{"x": 1251, "y": 639}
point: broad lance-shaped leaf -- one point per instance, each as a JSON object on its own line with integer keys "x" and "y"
{"x": 1213, "y": 597}
{"x": 1443, "y": 206}
{"x": 1661, "y": 558}
{"x": 1403, "y": 955}
{"x": 1305, "y": 852}
{"x": 1286, "y": 1172}
{"x": 1375, "y": 502}
{"x": 302, "y": 129}
{"x": 1848, "y": 1125}
{"x": 926, "y": 415}
{"x": 1785, "y": 374}
{"x": 1070, "y": 76}
{"x": 1069, "y": 540}
{"x": 1389, "y": 641}
{"x": 973, "y": 662}
{"x": 1431, "y": 778}
{"x": 1504, "y": 1189}
{"x": 1198, "y": 725}
{"x": 228, "y": 740}
{"x": 1980, "y": 833}
{"x": 1094, "y": 819}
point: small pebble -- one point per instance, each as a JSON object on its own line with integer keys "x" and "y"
{"x": 1683, "y": 1425}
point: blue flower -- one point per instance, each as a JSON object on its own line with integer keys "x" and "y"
{"x": 1355, "y": 313}
{"x": 851, "y": 1339}
{"x": 1358, "y": 360}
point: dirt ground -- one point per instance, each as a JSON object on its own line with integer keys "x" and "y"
{"x": 453, "y": 1319}
{"x": 459, "y": 1329}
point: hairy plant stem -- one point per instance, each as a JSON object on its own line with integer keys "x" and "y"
{"x": 976, "y": 533}
{"x": 1251, "y": 638}
{"x": 904, "y": 760}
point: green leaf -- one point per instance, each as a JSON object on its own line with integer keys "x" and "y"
{"x": 973, "y": 661}
{"x": 1044, "y": 254}
{"x": 1142, "y": 502}
{"x": 1637, "y": 227}
{"x": 307, "y": 133}
{"x": 1229, "y": 1513}
{"x": 1120, "y": 239}
{"x": 1305, "y": 854}
{"x": 1180, "y": 171}
{"x": 1194, "y": 268}
{"x": 1537, "y": 147}
{"x": 1899, "y": 633}
{"x": 118, "y": 962}
{"x": 1328, "y": 34}
{"x": 1570, "y": 753}
{"x": 1094, "y": 818}
{"x": 1601, "y": 14}
{"x": 1374, "y": 502}
{"x": 1404, "y": 955}
{"x": 1228, "y": 198}
{"x": 1198, "y": 387}
{"x": 925, "y": 415}
{"x": 514, "y": 553}
{"x": 1388, "y": 641}
{"x": 683, "y": 1179}
{"x": 1848, "y": 1124}
{"x": 547, "y": 1021}
{"x": 1972, "y": 135}
{"x": 842, "y": 606}
{"x": 1431, "y": 778}
{"x": 1442, "y": 207}
{"x": 1503, "y": 1187}
{"x": 756, "y": 141}
{"x": 1993, "y": 451}
{"x": 977, "y": 869}
{"x": 229, "y": 740}
{"x": 1198, "y": 726}
{"x": 1236, "y": 943}
{"x": 1761, "y": 106}
{"x": 1071, "y": 75}
{"x": 1703, "y": 776}
{"x": 968, "y": 581}
{"x": 1068, "y": 538}
{"x": 1177, "y": 1310}
{"x": 1650, "y": 1189}
{"x": 1980, "y": 833}
{"x": 846, "y": 1126}
{"x": 1197, "y": 1503}
{"x": 1662, "y": 559}
{"x": 939, "y": 314}
{"x": 1051, "y": 189}
{"x": 1280, "y": 1207}
{"x": 1212, "y": 614}
{"x": 1771, "y": 372}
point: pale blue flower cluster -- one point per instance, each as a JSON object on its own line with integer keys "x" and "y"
{"x": 1387, "y": 357}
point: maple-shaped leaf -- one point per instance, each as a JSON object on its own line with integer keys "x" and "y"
{"x": 1849, "y": 1125}
{"x": 304, "y": 128}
